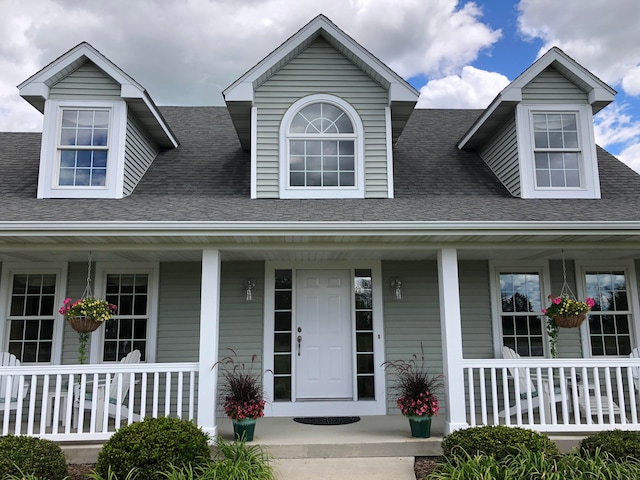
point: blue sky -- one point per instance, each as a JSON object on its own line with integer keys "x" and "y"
{"x": 458, "y": 54}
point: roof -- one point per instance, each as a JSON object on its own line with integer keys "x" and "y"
{"x": 35, "y": 89}
{"x": 207, "y": 179}
{"x": 599, "y": 94}
{"x": 239, "y": 95}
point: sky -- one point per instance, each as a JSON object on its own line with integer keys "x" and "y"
{"x": 458, "y": 54}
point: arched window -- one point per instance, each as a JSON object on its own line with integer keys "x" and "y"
{"x": 321, "y": 145}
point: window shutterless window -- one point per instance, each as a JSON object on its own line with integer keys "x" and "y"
{"x": 83, "y": 147}
{"x": 556, "y": 150}
{"x": 32, "y": 312}
{"x": 128, "y": 329}
{"x": 609, "y": 320}
{"x": 520, "y": 311}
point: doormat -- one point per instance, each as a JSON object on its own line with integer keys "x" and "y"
{"x": 326, "y": 420}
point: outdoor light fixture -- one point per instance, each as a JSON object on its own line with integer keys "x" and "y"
{"x": 397, "y": 285}
{"x": 249, "y": 285}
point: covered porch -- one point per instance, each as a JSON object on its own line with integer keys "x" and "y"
{"x": 447, "y": 303}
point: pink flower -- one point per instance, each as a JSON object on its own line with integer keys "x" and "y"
{"x": 590, "y": 302}
{"x": 557, "y": 300}
{"x": 544, "y": 310}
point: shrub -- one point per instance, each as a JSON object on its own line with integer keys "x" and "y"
{"x": 619, "y": 444}
{"x": 498, "y": 441}
{"x": 22, "y": 456}
{"x": 237, "y": 460}
{"x": 152, "y": 446}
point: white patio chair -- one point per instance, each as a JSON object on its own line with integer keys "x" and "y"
{"x": 112, "y": 389}
{"x": 9, "y": 360}
{"x": 635, "y": 371}
{"x": 525, "y": 385}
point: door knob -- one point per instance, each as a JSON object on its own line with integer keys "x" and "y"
{"x": 299, "y": 342}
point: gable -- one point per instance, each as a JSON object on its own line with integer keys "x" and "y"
{"x": 86, "y": 82}
{"x": 551, "y": 87}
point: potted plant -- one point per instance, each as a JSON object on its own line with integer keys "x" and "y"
{"x": 85, "y": 316}
{"x": 242, "y": 394}
{"x": 567, "y": 312}
{"x": 415, "y": 389}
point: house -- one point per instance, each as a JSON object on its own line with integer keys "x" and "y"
{"x": 319, "y": 221}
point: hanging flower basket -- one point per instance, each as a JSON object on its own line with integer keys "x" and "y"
{"x": 83, "y": 324}
{"x": 570, "y": 321}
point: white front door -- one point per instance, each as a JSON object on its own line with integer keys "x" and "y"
{"x": 323, "y": 331}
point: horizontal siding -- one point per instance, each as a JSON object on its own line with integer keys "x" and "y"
{"x": 179, "y": 312}
{"x": 414, "y": 320}
{"x": 501, "y": 155}
{"x": 551, "y": 87}
{"x": 87, "y": 82}
{"x": 475, "y": 309}
{"x": 140, "y": 151}
{"x": 76, "y": 283}
{"x": 321, "y": 69}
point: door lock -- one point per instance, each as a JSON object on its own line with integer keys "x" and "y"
{"x": 299, "y": 342}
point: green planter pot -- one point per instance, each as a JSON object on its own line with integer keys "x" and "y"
{"x": 244, "y": 428}
{"x": 420, "y": 426}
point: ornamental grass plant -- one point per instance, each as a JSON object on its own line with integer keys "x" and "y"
{"x": 241, "y": 393}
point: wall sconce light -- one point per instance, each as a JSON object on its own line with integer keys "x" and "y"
{"x": 249, "y": 285}
{"x": 397, "y": 285}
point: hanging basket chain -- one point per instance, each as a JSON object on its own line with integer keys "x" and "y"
{"x": 87, "y": 290}
{"x": 566, "y": 289}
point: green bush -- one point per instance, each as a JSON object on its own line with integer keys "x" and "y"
{"x": 620, "y": 444}
{"x": 153, "y": 446}
{"x": 498, "y": 441}
{"x": 22, "y": 456}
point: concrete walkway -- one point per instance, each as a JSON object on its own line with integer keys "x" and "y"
{"x": 371, "y": 468}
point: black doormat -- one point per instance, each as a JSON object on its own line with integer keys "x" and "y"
{"x": 326, "y": 420}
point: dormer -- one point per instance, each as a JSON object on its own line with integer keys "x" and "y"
{"x": 537, "y": 135}
{"x": 320, "y": 115}
{"x": 101, "y": 130}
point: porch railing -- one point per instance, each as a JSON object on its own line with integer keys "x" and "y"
{"x": 554, "y": 395}
{"x": 89, "y": 402}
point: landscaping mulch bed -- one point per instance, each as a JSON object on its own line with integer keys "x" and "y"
{"x": 80, "y": 471}
{"x": 424, "y": 466}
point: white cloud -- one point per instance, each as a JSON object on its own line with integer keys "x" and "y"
{"x": 186, "y": 53}
{"x": 631, "y": 156}
{"x": 474, "y": 88}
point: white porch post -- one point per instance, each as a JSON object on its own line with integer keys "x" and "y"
{"x": 209, "y": 333}
{"x": 451, "y": 328}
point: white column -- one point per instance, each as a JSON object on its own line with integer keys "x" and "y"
{"x": 451, "y": 327}
{"x": 209, "y": 334}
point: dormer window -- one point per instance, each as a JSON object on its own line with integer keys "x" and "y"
{"x": 83, "y": 147}
{"x": 556, "y": 146}
{"x": 321, "y": 150}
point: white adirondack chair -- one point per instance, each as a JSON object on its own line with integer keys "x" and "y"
{"x": 525, "y": 385}
{"x": 635, "y": 371}
{"x": 112, "y": 389}
{"x": 9, "y": 360}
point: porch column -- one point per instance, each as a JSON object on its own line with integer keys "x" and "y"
{"x": 209, "y": 333}
{"x": 451, "y": 327}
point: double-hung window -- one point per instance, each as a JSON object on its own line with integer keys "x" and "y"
{"x": 83, "y": 147}
{"x": 134, "y": 324}
{"x": 610, "y": 318}
{"x": 519, "y": 310}
{"x": 556, "y": 150}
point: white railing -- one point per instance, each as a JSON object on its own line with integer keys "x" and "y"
{"x": 554, "y": 395}
{"x": 89, "y": 402}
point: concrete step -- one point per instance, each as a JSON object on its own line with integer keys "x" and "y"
{"x": 370, "y": 468}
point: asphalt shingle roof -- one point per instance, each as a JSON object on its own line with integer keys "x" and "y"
{"x": 207, "y": 178}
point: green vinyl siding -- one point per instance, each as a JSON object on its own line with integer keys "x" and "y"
{"x": 550, "y": 87}
{"x": 139, "y": 153}
{"x": 320, "y": 69}
{"x": 76, "y": 283}
{"x": 475, "y": 309}
{"x": 501, "y": 155}
{"x": 569, "y": 345}
{"x": 87, "y": 82}
{"x": 412, "y": 321}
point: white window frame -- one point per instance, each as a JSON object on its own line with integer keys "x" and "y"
{"x": 587, "y": 159}
{"x": 50, "y": 152}
{"x": 496, "y": 299}
{"x": 60, "y": 270}
{"x": 629, "y": 270}
{"x": 152, "y": 269}
{"x": 356, "y": 191}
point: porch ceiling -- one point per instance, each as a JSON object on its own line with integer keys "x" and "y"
{"x": 320, "y": 243}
